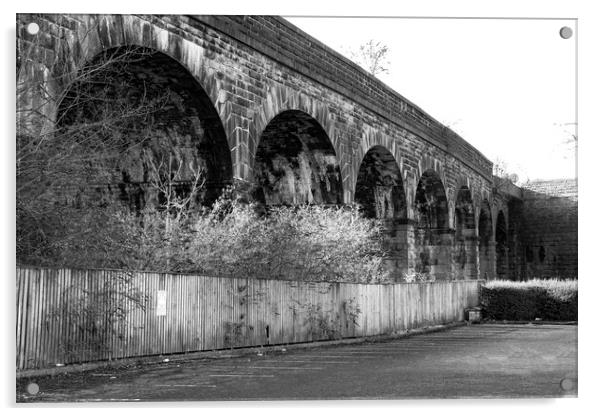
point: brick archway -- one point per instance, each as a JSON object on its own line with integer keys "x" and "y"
{"x": 432, "y": 235}
{"x": 379, "y": 186}
{"x": 380, "y": 194}
{"x": 155, "y": 124}
{"x": 295, "y": 163}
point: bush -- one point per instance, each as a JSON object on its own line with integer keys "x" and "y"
{"x": 308, "y": 243}
{"x": 548, "y": 300}
{"x": 290, "y": 243}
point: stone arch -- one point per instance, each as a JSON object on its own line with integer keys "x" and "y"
{"x": 380, "y": 194}
{"x": 431, "y": 233}
{"x": 464, "y": 256}
{"x": 371, "y": 138}
{"x": 430, "y": 202}
{"x": 99, "y": 33}
{"x": 280, "y": 99}
{"x": 379, "y": 186}
{"x": 464, "y": 213}
{"x": 484, "y": 195}
{"x": 501, "y": 246}
{"x": 295, "y": 163}
{"x": 461, "y": 183}
{"x": 428, "y": 163}
{"x": 485, "y": 232}
{"x": 116, "y": 31}
{"x": 164, "y": 127}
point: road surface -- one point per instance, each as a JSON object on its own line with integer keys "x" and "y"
{"x": 464, "y": 362}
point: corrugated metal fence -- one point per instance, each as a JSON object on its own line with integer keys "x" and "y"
{"x": 70, "y": 316}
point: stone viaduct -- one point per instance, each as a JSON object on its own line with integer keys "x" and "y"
{"x": 264, "y": 106}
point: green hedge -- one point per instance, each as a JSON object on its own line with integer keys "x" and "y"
{"x": 548, "y": 300}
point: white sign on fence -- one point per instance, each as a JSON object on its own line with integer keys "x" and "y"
{"x": 161, "y": 303}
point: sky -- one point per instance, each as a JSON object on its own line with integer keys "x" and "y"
{"x": 507, "y": 86}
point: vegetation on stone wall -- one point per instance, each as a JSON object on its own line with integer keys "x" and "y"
{"x": 373, "y": 56}
{"x": 554, "y": 300}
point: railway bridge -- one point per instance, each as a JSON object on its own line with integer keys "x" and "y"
{"x": 261, "y": 105}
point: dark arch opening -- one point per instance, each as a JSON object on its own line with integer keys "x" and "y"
{"x": 485, "y": 239}
{"x": 155, "y": 131}
{"x": 432, "y": 225}
{"x": 464, "y": 243}
{"x": 431, "y": 203}
{"x": 501, "y": 246}
{"x": 464, "y": 213}
{"x": 379, "y": 192}
{"x": 379, "y": 188}
{"x": 296, "y": 164}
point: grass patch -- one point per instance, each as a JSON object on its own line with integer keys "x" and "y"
{"x": 548, "y": 300}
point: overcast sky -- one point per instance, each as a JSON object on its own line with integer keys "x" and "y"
{"x": 506, "y": 86}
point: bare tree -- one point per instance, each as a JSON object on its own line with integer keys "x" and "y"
{"x": 373, "y": 57}
{"x": 65, "y": 138}
{"x": 502, "y": 175}
{"x": 165, "y": 179}
{"x": 74, "y": 126}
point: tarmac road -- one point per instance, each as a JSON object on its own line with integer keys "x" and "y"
{"x": 464, "y": 362}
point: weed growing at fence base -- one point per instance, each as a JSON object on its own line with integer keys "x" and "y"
{"x": 97, "y": 317}
{"x": 553, "y": 300}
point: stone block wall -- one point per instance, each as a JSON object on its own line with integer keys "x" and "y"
{"x": 549, "y": 229}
